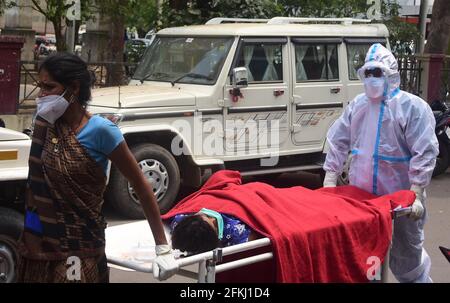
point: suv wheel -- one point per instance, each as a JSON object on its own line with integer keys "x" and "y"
{"x": 11, "y": 226}
{"x": 162, "y": 172}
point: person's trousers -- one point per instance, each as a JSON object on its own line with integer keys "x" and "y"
{"x": 409, "y": 262}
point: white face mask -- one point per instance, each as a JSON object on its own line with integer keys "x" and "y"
{"x": 374, "y": 87}
{"x": 51, "y": 107}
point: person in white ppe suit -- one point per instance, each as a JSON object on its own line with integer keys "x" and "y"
{"x": 390, "y": 135}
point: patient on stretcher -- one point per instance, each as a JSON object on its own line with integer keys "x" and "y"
{"x": 207, "y": 230}
{"x": 323, "y": 235}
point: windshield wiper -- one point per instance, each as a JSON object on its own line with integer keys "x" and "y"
{"x": 154, "y": 74}
{"x": 191, "y": 75}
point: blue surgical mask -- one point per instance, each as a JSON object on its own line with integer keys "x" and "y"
{"x": 375, "y": 87}
{"x": 218, "y": 217}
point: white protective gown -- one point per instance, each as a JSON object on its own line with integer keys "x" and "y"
{"x": 393, "y": 145}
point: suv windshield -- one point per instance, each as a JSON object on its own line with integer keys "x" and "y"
{"x": 193, "y": 60}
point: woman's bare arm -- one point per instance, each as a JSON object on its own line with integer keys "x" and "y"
{"x": 124, "y": 160}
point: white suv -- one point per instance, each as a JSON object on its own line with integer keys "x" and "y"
{"x": 257, "y": 96}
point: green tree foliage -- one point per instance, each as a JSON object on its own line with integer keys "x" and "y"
{"x": 402, "y": 35}
{"x": 324, "y": 8}
{"x": 178, "y": 13}
{"x": 2, "y": 6}
{"x": 260, "y": 9}
{"x": 117, "y": 12}
{"x": 55, "y": 11}
{"x": 335, "y": 8}
{"x": 143, "y": 15}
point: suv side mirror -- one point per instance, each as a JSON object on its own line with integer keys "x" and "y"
{"x": 240, "y": 77}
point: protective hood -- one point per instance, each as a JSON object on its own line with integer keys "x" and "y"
{"x": 379, "y": 56}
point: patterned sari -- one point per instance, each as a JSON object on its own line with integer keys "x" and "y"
{"x": 63, "y": 210}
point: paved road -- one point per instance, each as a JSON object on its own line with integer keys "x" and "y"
{"x": 437, "y": 229}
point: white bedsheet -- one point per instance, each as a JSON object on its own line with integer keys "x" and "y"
{"x": 132, "y": 242}
{"x": 132, "y": 246}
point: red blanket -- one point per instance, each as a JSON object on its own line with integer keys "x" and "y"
{"x": 324, "y": 235}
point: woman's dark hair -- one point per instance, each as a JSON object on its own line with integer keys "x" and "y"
{"x": 194, "y": 235}
{"x": 66, "y": 69}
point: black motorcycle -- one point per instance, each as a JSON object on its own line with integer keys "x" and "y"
{"x": 441, "y": 113}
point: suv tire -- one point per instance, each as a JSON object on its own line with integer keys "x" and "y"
{"x": 160, "y": 168}
{"x": 11, "y": 227}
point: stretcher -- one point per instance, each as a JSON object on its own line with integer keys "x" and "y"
{"x": 131, "y": 247}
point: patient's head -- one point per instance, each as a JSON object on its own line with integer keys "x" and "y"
{"x": 195, "y": 234}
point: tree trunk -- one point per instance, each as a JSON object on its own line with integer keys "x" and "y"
{"x": 205, "y": 8}
{"x": 439, "y": 36}
{"x": 77, "y": 28}
{"x": 178, "y": 4}
{"x": 61, "y": 45}
{"x": 116, "y": 68}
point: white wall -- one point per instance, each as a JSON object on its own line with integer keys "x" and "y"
{"x": 38, "y": 21}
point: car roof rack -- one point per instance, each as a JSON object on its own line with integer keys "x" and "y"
{"x": 289, "y": 20}
{"x": 235, "y": 20}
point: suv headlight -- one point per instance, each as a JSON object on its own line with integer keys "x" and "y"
{"x": 114, "y": 118}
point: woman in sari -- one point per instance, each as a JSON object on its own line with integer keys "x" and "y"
{"x": 64, "y": 226}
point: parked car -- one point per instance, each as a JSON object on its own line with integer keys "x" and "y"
{"x": 258, "y": 97}
{"x": 44, "y": 46}
{"x": 150, "y": 36}
{"x": 14, "y": 152}
{"x": 133, "y": 51}
{"x": 136, "y": 46}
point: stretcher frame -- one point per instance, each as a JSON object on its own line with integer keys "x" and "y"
{"x": 207, "y": 261}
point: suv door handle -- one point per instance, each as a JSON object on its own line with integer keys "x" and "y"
{"x": 335, "y": 90}
{"x": 278, "y": 92}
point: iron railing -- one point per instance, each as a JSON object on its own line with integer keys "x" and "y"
{"x": 410, "y": 69}
{"x": 29, "y": 80}
{"x": 29, "y": 76}
{"x": 102, "y": 77}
